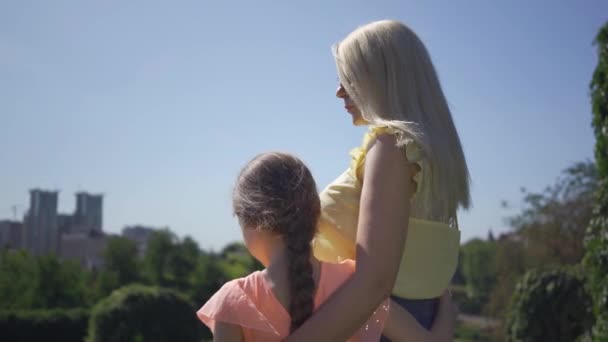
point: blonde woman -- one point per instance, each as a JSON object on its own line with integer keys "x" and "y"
{"x": 403, "y": 234}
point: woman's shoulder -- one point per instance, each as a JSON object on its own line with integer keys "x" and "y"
{"x": 384, "y": 141}
{"x": 388, "y": 136}
{"x": 374, "y": 134}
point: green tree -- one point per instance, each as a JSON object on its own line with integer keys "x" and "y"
{"x": 182, "y": 264}
{"x": 60, "y": 284}
{"x": 169, "y": 262}
{"x": 553, "y": 222}
{"x": 548, "y": 231}
{"x": 159, "y": 252}
{"x": 28, "y": 282}
{"x": 596, "y": 241}
{"x": 104, "y": 283}
{"x": 208, "y": 277}
{"x": 478, "y": 268}
{"x": 120, "y": 257}
{"x": 18, "y": 279}
{"x": 121, "y": 266}
{"x": 510, "y": 265}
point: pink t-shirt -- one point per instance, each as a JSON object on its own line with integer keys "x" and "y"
{"x": 250, "y": 303}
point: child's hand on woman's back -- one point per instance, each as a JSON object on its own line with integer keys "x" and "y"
{"x": 445, "y": 322}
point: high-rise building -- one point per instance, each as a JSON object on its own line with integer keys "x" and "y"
{"x": 10, "y": 234}
{"x": 89, "y": 212}
{"x": 40, "y": 233}
{"x": 65, "y": 223}
{"x": 86, "y": 248}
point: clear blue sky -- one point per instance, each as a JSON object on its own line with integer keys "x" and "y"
{"x": 158, "y": 106}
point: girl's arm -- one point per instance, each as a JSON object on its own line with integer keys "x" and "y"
{"x": 402, "y": 326}
{"x": 383, "y": 220}
{"x": 226, "y": 332}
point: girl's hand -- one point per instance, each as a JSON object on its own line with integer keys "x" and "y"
{"x": 445, "y": 321}
{"x": 447, "y": 306}
{"x": 414, "y": 169}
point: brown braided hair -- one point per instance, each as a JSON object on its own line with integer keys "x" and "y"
{"x": 276, "y": 192}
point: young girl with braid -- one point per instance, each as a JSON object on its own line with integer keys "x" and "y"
{"x": 276, "y": 202}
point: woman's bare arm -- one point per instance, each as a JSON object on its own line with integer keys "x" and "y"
{"x": 383, "y": 220}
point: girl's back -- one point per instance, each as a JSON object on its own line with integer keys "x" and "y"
{"x": 251, "y": 303}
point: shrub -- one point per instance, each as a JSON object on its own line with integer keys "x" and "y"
{"x": 549, "y": 305}
{"x": 64, "y": 325}
{"x": 146, "y": 313}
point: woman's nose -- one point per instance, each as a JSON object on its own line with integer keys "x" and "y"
{"x": 341, "y": 92}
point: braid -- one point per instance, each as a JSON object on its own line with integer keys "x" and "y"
{"x": 276, "y": 192}
{"x": 301, "y": 282}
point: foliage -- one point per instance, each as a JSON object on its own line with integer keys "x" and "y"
{"x": 548, "y": 231}
{"x": 69, "y": 325}
{"x": 478, "y": 268}
{"x": 121, "y": 267}
{"x": 549, "y": 305}
{"x": 510, "y": 264}
{"x": 553, "y": 222}
{"x": 596, "y": 240}
{"x": 29, "y": 282}
{"x": 146, "y": 313}
{"x": 169, "y": 262}
{"x": 120, "y": 257}
{"x": 158, "y": 254}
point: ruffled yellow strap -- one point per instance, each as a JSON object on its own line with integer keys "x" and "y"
{"x": 413, "y": 152}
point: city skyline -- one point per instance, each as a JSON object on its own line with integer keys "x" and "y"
{"x": 79, "y": 214}
{"x": 78, "y": 235}
{"x": 158, "y": 106}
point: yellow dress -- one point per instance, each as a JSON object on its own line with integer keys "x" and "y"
{"x": 431, "y": 250}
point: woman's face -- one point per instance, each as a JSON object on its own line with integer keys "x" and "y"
{"x": 350, "y": 106}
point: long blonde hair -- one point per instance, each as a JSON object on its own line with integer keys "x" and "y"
{"x": 387, "y": 71}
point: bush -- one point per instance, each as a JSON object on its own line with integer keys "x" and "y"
{"x": 549, "y": 305}
{"x": 143, "y": 313}
{"x": 596, "y": 264}
{"x": 471, "y": 306}
{"x": 596, "y": 259}
{"x": 64, "y": 325}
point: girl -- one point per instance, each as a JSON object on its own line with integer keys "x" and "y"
{"x": 389, "y": 83}
{"x": 277, "y": 205}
